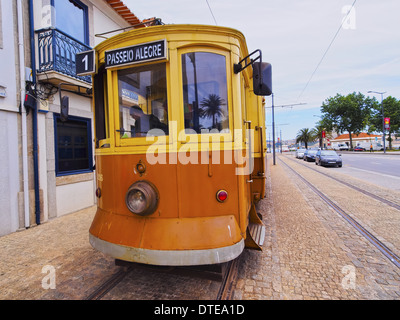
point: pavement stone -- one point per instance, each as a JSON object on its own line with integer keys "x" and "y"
{"x": 309, "y": 253}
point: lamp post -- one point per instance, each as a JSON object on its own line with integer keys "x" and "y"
{"x": 273, "y": 123}
{"x": 273, "y": 131}
{"x": 383, "y": 119}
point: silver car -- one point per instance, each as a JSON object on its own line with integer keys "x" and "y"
{"x": 300, "y": 153}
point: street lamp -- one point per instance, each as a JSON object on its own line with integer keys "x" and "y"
{"x": 273, "y": 124}
{"x": 383, "y": 119}
{"x": 273, "y": 132}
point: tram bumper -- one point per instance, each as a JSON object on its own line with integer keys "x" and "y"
{"x": 167, "y": 241}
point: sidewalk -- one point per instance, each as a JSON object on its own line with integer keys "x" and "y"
{"x": 309, "y": 250}
{"x": 63, "y": 246}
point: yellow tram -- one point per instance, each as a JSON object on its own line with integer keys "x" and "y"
{"x": 180, "y": 145}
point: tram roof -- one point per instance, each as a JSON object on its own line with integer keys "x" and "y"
{"x": 175, "y": 29}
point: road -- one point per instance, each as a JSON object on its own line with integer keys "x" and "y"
{"x": 375, "y": 168}
{"x": 380, "y": 169}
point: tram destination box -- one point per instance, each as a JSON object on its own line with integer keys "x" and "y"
{"x": 149, "y": 51}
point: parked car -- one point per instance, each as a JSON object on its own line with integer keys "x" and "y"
{"x": 342, "y": 147}
{"x": 328, "y": 158}
{"x": 358, "y": 148}
{"x": 300, "y": 153}
{"x": 309, "y": 155}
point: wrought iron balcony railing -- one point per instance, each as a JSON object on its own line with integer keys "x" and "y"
{"x": 57, "y": 53}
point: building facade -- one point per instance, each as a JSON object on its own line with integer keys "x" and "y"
{"x": 47, "y": 163}
{"x": 364, "y": 140}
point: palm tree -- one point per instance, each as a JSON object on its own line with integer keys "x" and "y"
{"x": 319, "y": 129}
{"x": 305, "y": 135}
{"x": 211, "y": 107}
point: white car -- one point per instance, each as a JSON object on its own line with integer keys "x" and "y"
{"x": 300, "y": 153}
{"x": 342, "y": 147}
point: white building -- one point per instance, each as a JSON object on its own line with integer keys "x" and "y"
{"x": 10, "y": 120}
{"x": 362, "y": 139}
{"x": 47, "y": 165}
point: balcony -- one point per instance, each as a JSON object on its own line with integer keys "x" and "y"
{"x": 56, "y": 53}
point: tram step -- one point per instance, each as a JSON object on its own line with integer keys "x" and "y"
{"x": 255, "y": 236}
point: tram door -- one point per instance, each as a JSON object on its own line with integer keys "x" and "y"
{"x": 206, "y": 122}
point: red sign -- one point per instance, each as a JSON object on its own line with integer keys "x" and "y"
{"x": 323, "y": 134}
{"x": 387, "y": 123}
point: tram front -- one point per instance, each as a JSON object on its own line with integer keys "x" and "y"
{"x": 173, "y": 164}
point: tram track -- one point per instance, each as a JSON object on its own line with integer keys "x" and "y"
{"x": 365, "y": 192}
{"x": 225, "y": 292}
{"x": 109, "y": 284}
{"x": 387, "y": 252}
{"x": 226, "y": 277}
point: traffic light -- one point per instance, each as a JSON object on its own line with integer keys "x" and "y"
{"x": 387, "y": 123}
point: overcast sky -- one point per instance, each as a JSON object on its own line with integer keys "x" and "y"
{"x": 293, "y": 36}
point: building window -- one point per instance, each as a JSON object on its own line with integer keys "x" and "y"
{"x": 72, "y": 18}
{"x": 73, "y": 145}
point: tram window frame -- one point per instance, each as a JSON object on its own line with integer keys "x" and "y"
{"x": 101, "y": 109}
{"x": 141, "y": 140}
{"x": 75, "y": 144}
{"x": 207, "y": 135}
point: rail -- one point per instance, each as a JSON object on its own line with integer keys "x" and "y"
{"x": 354, "y": 223}
{"x": 224, "y": 273}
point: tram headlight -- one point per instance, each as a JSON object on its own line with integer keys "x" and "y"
{"x": 142, "y": 198}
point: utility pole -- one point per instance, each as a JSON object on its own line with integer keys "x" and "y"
{"x": 383, "y": 119}
{"x": 273, "y": 132}
{"x": 273, "y": 124}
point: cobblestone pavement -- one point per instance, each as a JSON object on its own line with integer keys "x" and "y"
{"x": 62, "y": 244}
{"x": 309, "y": 253}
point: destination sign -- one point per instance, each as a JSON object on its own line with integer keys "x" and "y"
{"x": 139, "y": 53}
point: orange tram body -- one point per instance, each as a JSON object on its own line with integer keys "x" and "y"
{"x": 180, "y": 145}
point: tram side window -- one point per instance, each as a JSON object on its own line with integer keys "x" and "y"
{"x": 143, "y": 101}
{"x": 101, "y": 107}
{"x": 205, "y": 94}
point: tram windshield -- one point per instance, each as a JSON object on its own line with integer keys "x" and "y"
{"x": 205, "y": 95}
{"x": 143, "y": 101}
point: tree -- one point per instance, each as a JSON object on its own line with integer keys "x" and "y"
{"x": 211, "y": 107}
{"x": 318, "y": 133}
{"x": 305, "y": 135}
{"x": 349, "y": 113}
{"x": 391, "y": 109}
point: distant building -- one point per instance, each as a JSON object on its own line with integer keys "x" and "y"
{"x": 363, "y": 139}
